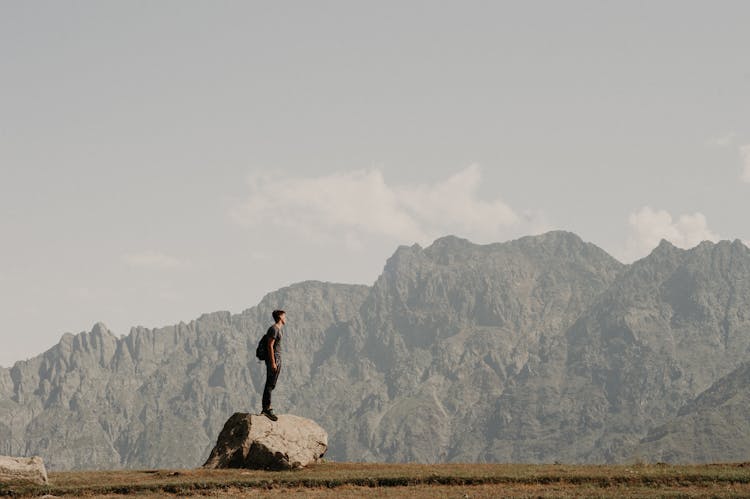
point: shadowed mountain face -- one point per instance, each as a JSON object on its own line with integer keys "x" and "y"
{"x": 536, "y": 350}
{"x": 714, "y": 426}
{"x": 669, "y": 326}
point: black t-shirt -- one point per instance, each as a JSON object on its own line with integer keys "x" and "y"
{"x": 275, "y": 334}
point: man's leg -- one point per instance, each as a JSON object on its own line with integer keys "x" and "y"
{"x": 271, "y": 378}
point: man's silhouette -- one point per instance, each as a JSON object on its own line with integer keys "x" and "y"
{"x": 273, "y": 361}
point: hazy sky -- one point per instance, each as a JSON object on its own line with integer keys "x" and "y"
{"x": 163, "y": 159}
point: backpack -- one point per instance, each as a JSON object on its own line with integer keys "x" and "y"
{"x": 262, "y": 350}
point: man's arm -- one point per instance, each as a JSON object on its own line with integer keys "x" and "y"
{"x": 271, "y": 342}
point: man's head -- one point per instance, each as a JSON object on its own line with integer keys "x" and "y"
{"x": 279, "y": 316}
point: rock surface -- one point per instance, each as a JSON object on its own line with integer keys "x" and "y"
{"x": 23, "y": 469}
{"x": 256, "y": 442}
{"x": 96, "y": 401}
{"x": 716, "y": 423}
{"x": 536, "y": 350}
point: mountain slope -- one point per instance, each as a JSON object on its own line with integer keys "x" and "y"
{"x": 715, "y": 426}
{"x": 669, "y": 326}
{"x": 440, "y": 336}
{"x": 535, "y": 350}
{"x": 158, "y": 397}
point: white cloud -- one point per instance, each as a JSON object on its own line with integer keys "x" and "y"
{"x": 647, "y": 227}
{"x": 745, "y": 154}
{"x": 349, "y": 207}
{"x": 730, "y": 139}
{"x": 725, "y": 140}
{"x": 153, "y": 260}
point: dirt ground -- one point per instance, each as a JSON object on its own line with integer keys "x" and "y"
{"x": 358, "y": 480}
{"x": 466, "y": 492}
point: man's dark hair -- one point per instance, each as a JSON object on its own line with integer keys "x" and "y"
{"x": 276, "y": 314}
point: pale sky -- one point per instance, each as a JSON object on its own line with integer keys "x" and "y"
{"x": 162, "y": 159}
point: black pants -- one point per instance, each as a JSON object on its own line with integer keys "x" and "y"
{"x": 271, "y": 378}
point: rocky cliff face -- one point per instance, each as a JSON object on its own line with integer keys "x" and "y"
{"x": 158, "y": 397}
{"x": 670, "y": 325}
{"x": 714, "y": 426}
{"x": 441, "y": 336}
{"x": 536, "y": 350}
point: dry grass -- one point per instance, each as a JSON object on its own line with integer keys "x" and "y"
{"x": 345, "y": 480}
{"x": 486, "y": 491}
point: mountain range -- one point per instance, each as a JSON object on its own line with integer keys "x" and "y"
{"x": 541, "y": 349}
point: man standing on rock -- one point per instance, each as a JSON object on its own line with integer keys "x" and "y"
{"x": 273, "y": 361}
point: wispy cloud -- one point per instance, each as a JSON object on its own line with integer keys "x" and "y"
{"x": 647, "y": 227}
{"x": 745, "y": 155}
{"x": 732, "y": 139}
{"x": 153, "y": 260}
{"x": 724, "y": 140}
{"x": 349, "y": 206}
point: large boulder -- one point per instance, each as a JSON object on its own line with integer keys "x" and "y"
{"x": 23, "y": 469}
{"x": 256, "y": 442}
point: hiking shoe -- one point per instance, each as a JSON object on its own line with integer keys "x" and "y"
{"x": 269, "y": 414}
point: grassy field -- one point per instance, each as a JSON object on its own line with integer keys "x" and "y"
{"x": 354, "y": 480}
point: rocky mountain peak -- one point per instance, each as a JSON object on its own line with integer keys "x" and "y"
{"x": 539, "y": 349}
{"x": 723, "y": 247}
{"x": 664, "y": 249}
{"x": 556, "y": 238}
{"x": 450, "y": 244}
{"x": 100, "y": 329}
{"x": 403, "y": 258}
